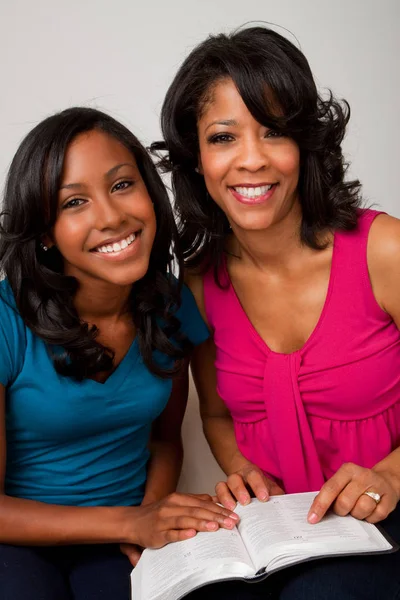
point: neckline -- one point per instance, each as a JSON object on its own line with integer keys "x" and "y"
{"x": 115, "y": 379}
{"x": 261, "y": 342}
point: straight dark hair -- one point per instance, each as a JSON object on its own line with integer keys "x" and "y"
{"x": 269, "y": 73}
{"x": 44, "y": 295}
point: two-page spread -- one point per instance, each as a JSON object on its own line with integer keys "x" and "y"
{"x": 270, "y": 536}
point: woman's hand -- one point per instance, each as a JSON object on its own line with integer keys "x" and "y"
{"x": 345, "y": 494}
{"x": 236, "y": 487}
{"x": 177, "y": 517}
{"x": 132, "y": 551}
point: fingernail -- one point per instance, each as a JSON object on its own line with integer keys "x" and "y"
{"x": 212, "y": 526}
{"x": 244, "y": 499}
{"x": 231, "y": 506}
{"x": 229, "y": 523}
{"x": 191, "y": 533}
{"x": 263, "y": 496}
{"x": 234, "y": 516}
{"x": 313, "y": 518}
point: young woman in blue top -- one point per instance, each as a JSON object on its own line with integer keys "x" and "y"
{"x": 93, "y": 326}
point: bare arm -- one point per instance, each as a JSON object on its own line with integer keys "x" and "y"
{"x": 166, "y": 443}
{"x": 218, "y": 425}
{"x": 345, "y": 491}
{"x": 27, "y": 522}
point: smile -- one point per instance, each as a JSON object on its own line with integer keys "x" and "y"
{"x": 252, "y": 192}
{"x": 116, "y": 246}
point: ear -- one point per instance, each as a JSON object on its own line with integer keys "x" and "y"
{"x": 199, "y": 168}
{"x": 46, "y": 242}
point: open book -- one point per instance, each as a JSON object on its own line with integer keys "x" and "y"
{"x": 270, "y": 536}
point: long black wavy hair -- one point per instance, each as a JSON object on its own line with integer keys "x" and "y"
{"x": 268, "y": 71}
{"x": 44, "y": 295}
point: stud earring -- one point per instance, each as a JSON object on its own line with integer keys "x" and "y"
{"x": 197, "y": 169}
{"x": 43, "y": 247}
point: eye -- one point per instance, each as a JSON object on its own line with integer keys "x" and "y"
{"x": 271, "y": 133}
{"x": 73, "y": 203}
{"x": 121, "y": 185}
{"x": 220, "y": 138}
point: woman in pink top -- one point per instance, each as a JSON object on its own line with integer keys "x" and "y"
{"x": 300, "y": 386}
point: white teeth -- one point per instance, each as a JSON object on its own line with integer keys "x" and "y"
{"x": 117, "y": 246}
{"x": 253, "y": 192}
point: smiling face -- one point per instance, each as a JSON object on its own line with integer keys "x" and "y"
{"x": 106, "y": 224}
{"x": 250, "y": 171}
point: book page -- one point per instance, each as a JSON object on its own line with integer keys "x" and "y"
{"x": 280, "y": 526}
{"x": 172, "y": 571}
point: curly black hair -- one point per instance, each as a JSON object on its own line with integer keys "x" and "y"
{"x": 269, "y": 72}
{"x": 44, "y": 295}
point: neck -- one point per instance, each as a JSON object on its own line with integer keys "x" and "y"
{"x": 275, "y": 247}
{"x": 101, "y": 301}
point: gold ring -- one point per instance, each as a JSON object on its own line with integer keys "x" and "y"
{"x": 374, "y": 496}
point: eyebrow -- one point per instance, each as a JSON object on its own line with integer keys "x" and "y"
{"x": 110, "y": 173}
{"x": 226, "y": 122}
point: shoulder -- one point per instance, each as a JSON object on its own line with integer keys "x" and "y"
{"x": 383, "y": 258}
{"x": 8, "y": 305}
{"x": 195, "y": 283}
{"x": 12, "y": 335}
{"x": 193, "y": 324}
{"x": 384, "y": 242}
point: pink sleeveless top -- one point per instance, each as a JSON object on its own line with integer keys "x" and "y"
{"x": 300, "y": 416}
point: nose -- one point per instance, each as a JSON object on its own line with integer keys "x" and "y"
{"x": 253, "y": 154}
{"x": 108, "y": 214}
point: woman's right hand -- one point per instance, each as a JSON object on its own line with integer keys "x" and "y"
{"x": 175, "y": 518}
{"x": 236, "y": 487}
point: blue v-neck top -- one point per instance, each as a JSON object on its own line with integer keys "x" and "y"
{"x": 79, "y": 443}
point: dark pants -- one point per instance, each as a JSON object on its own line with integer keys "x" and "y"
{"x": 102, "y": 573}
{"x": 64, "y": 573}
{"x": 372, "y": 577}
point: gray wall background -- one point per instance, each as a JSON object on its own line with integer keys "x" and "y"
{"x": 120, "y": 56}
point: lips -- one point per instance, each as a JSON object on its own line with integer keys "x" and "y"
{"x": 252, "y": 191}
{"x": 253, "y": 194}
{"x": 116, "y": 244}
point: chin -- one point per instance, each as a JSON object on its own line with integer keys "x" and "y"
{"x": 254, "y": 224}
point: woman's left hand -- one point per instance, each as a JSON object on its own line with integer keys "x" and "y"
{"x": 345, "y": 493}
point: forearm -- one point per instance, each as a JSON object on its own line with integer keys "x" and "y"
{"x": 26, "y": 522}
{"x": 390, "y": 466}
{"x": 220, "y": 434}
{"x": 164, "y": 469}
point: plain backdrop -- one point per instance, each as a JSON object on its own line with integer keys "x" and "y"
{"x": 121, "y": 55}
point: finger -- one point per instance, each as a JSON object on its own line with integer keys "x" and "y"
{"x": 178, "y": 535}
{"x": 196, "y": 502}
{"x": 132, "y": 552}
{"x": 134, "y": 556}
{"x": 364, "y": 507}
{"x": 238, "y": 488}
{"x": 329, "y": 492}
{"x": 224, "y": 495}
{"x": 258, "y": 483}
{"x": 382, "y": 510}
{"x": 199, "y": 519}
{"x": 275, "y": 489}
{"x": 348, "y": 498}
{"x": 206, "y": 497}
